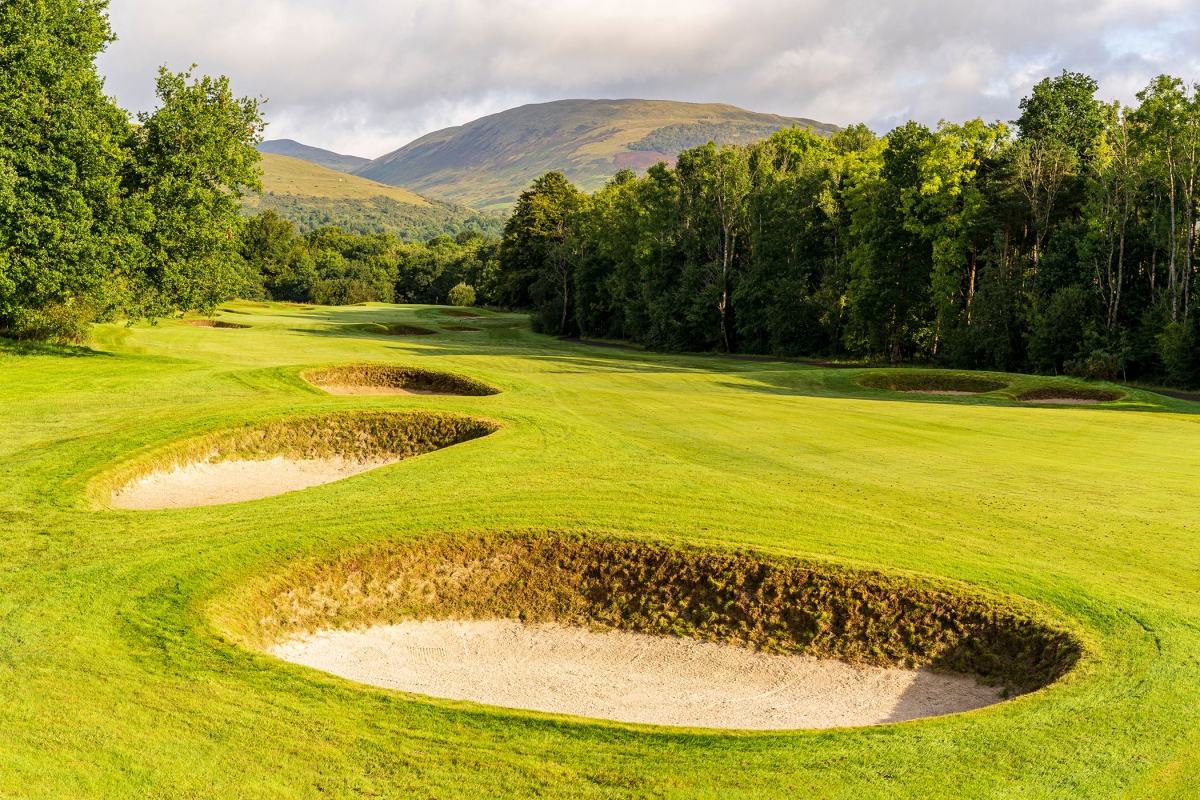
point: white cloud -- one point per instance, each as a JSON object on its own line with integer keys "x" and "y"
{"x": 366, "y": 76}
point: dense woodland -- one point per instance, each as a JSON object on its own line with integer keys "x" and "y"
{"x": 334, "y": 267}
{"x": 1062, "y": 243}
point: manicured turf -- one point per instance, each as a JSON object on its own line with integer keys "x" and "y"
{"x": 116, "y": 682}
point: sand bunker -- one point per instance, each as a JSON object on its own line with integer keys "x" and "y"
{"x": 222, "y": 482}
{"x": 279, "y": 456}
{"x": 631, "y": 677}
{"x": 375, "y": 379}
{"x": 461, "y": 329}
{"x": 212, "y": 323}
{"x": 1062, "y": 401}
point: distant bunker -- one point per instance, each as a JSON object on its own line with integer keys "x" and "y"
{"x": 377, "y": 379}
{"x": 1067, "y": 395}
{"x": 461, "y": 313}
{"x": 644, "y": 633}
{"x": 212, "y": 323}
{"x": 931, "y": 382}
{"x": 394, "y": 329}
{"x": 283, "y": 456}
{"x": 461, "y": 329}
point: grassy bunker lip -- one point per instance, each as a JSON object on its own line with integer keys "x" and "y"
{"x": 412, "y": 380}
{"x": 212, "y": 323}
{"x": 449, "y": 312}
{"x": 370, "y": 437}
{"x": 461, "y": 329}
{"x": 772, "y": 604}
{"x": 394, "y": 329}
{"x": 914, "y": 381}
{"x": 1067, "y": 393}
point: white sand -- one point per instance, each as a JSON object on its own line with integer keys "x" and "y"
{"x": 206, "y": 484}
{"x": 631, "y": 677}
{"x": 359, "y": 390}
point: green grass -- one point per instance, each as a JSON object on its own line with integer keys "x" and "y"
{"x": 116, "y": 681}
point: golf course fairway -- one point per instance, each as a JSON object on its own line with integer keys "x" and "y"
{"x": 129, "y": 667}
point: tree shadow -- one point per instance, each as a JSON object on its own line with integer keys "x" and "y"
{"x": 18, "y": 348}
{"x": 934, "y": 694}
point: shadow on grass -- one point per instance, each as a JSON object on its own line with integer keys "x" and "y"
{"x": 16, "y": 348}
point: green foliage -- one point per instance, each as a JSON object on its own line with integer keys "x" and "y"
{"x": 329, "y": 266}
{"x": 101, "y": 217}
{"x": 462, "y": 295}
{"x": 378, "y": 215}
{"x": 61, "y": 157}
{"x": 1063, "y": 248}
{"x": 536, "y": 259}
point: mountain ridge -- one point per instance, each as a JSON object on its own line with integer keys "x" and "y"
{"x": 313, "y": 155}
{"x": 487, "y": 162}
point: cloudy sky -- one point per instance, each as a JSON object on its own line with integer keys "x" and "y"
{"x": 366, "y": 76}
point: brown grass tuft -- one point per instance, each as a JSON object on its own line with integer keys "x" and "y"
{"x": 912, "y": 380}
{"x": 213, "y": 323}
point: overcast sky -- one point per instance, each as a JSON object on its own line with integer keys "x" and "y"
{"x": 367, "y": 76}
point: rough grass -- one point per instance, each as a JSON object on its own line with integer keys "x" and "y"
{"x": 410, "y": 379}
{"x": 913, "y": 380}
{"x": 354, "y": 436}
{"x": 1067, "y": 391}
{"x": 772, "y": 604}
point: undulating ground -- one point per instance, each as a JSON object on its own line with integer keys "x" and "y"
{"x": 116, "y": 680}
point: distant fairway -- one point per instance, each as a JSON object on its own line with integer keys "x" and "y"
{"x": 122, "y": 675}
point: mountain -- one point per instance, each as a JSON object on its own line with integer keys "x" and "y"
{"x": 312, "y": 196}
{"x": 487, "y": 163}
{"x": 314, "y": 155}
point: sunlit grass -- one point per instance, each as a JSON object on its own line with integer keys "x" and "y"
{"x": 115, "y": 682}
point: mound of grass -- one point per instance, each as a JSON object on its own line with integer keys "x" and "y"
{"x": 354, "y": 436}
{"x": 919, "y": 380}
{"x": 775, "y": 605}
{"x": 213, "y": 323}
{"x": 408, "y": 378}
{"x": 1068, "y": 391}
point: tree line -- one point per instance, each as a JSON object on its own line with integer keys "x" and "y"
{"x": 1063, "y": 242}
{"x": 330, "y": 266}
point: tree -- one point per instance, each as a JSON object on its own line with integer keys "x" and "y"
{"x": 193, "y": 159}
{"x": 462, "y": 295}
{"x": 538, "y": 222}
{"x": 61, "y": 226}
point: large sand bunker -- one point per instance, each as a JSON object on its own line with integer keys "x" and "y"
{"x": 644, "y": 632}
{"x": 281, "y": 456}
{"x": 355, "y": 379}
{"x": 632, "y": 677}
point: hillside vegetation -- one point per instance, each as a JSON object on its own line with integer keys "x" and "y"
{"x": 312, "y": 197}
{"x": 315, "y": 155}
{"x": 487, "y": 163}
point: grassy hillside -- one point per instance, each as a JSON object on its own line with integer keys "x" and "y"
{"x": 315, "y": 155}
{"x": 118, "y": 677}
{"x": 312, "y": 196}
{"x": 486, "y": 163}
